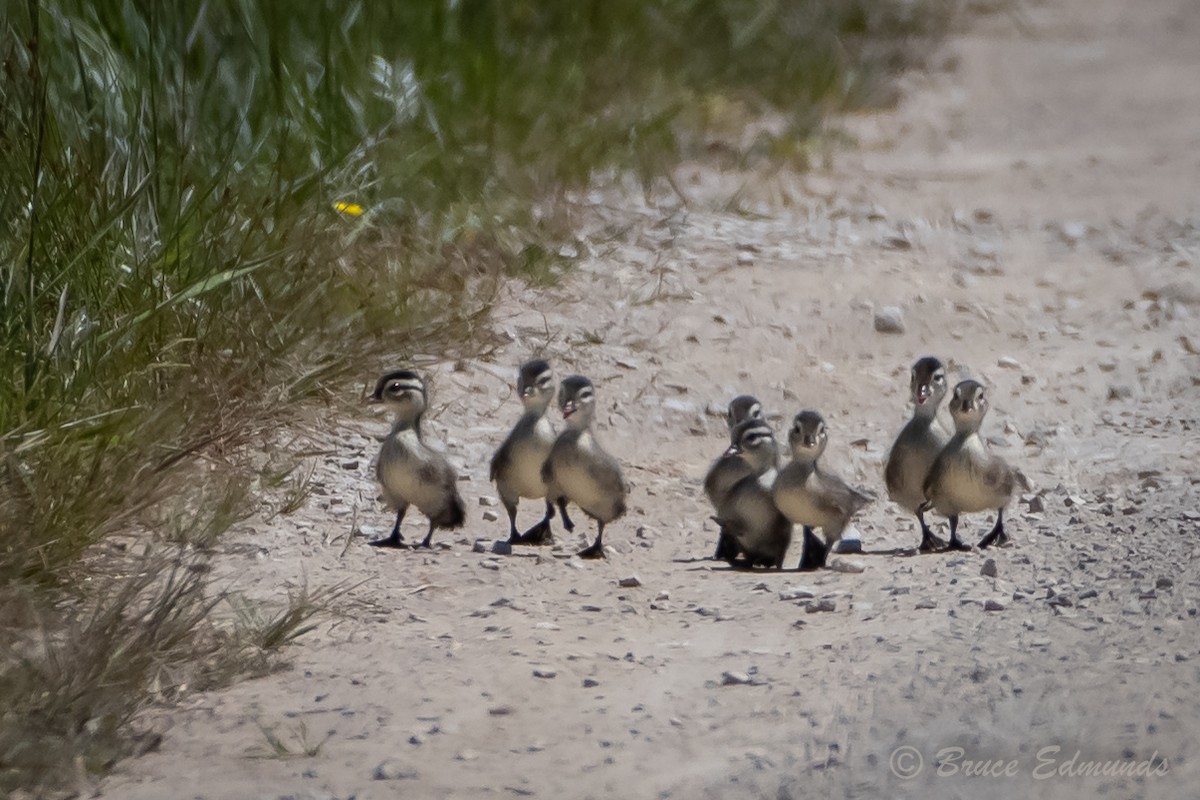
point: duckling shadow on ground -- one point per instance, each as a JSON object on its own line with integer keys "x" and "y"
{"x": 891, "y": 551}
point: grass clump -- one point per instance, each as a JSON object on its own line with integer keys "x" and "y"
{"x": 210, "y": 209}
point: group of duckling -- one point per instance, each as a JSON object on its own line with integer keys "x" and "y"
{"x": 533, "y": 462}
{"x": 757, "y": 499}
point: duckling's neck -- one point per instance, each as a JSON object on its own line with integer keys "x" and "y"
{"x": 965, "y": 427}
{"x": 805, "y": 458}
{"x": 536, "y": 407}
{"x": 407, "y": 423}
{"x": 926, "y": 411}
{"x": 579, "y": 421}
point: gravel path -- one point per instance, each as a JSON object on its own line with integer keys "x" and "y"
{"x": 1031, "y": 211}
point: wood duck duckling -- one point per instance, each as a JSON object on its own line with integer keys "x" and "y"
{"x": 578, "y": 470}
{"x": 747, "y": 406}
{"x": 965, "y": 478}
{"x": 517, "y": 465}
{"x": 409, "y": 471}
{"x": 742, "y": 408}
{"x": 730, "y": 468}
{"x": 748, "y": 513}
{"x": 917, "y": 446}
{"x": 811, "y": 497}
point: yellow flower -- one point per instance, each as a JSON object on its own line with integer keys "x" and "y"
{"x": 353, "y": 209}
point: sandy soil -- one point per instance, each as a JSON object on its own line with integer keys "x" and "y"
{"x": 1032, "y": 207}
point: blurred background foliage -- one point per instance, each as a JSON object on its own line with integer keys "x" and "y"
{"x": 172, "y": 258}
{"x": 174, "y": 269}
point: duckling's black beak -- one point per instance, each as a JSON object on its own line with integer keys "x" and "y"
{"x": 810, "y": 441}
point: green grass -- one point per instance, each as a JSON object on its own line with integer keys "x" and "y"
{"x": 175, "y": 274}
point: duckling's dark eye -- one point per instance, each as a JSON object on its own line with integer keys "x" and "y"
{"x": 939, "y": 378}
{"x": 395, "y": 388}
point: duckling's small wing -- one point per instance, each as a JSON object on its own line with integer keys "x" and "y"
{"x": 501, "y": 459}
{"x": 606, "y": 472}
{"x": 838, "y": 498}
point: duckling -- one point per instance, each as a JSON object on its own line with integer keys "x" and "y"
{"x": 810, "y": 496}
{"x": 747, "y": 512}
{"x": 578, "y": 470}
{"x": 517, "y": 466}
{"x": 728, "y": 469}
{"x": 744, "y": 407}
{"x": 918, "y": 445}
{"x": 741, "y": 408}
{"x": 965, "y": 477}
{"x": 408, "y": 470}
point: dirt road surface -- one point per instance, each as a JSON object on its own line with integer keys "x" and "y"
{"x": 1033, "y": 209}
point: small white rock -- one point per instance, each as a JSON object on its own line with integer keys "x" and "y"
{"x": 394, "y": 769}
{"x": 847, "y": 565}
{"x": 889, "y": 319}
{"x": 797, "y": 593}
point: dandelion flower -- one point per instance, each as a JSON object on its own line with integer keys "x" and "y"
{"x": 353, "y": 209}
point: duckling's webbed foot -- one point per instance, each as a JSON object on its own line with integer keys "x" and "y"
{"x": 814, "y": 553}
{"x": 727, "y": 547}
{"x": 566, "y": 520}
{"x": 537, "y": 535}
{"x": 955, "y": 543}
{"x": 394, "y": 539}
{"x": 996, "y": 535}
{"x": 596, "y": 550}
{"x": 930, "y": 542}
{"x": 513, "y": 536}
{"x": 427, "y": 541}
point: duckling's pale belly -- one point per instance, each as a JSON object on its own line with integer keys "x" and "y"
{"x": 528, "y": 457}
{"x": 410, "y": 476}
{"x": 968, "y": 481}
{"x": 580, "y": 486}
{"x": 961, "y": 492}
{"x": 797, "y": 502}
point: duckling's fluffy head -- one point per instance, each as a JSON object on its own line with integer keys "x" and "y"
{"x": 928, "y": 384}
{"x": 968, "y": 405}
{"x": 807, "y": 436}
{"x": 535, "y": 384}
{"x": 741, "y": 408}
{"x": 753, "y": 440}
{"x": 577, "y": 400}
{"x": 403, "y": 389}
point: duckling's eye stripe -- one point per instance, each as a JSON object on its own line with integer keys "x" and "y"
{"x": 399, "y": 386}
